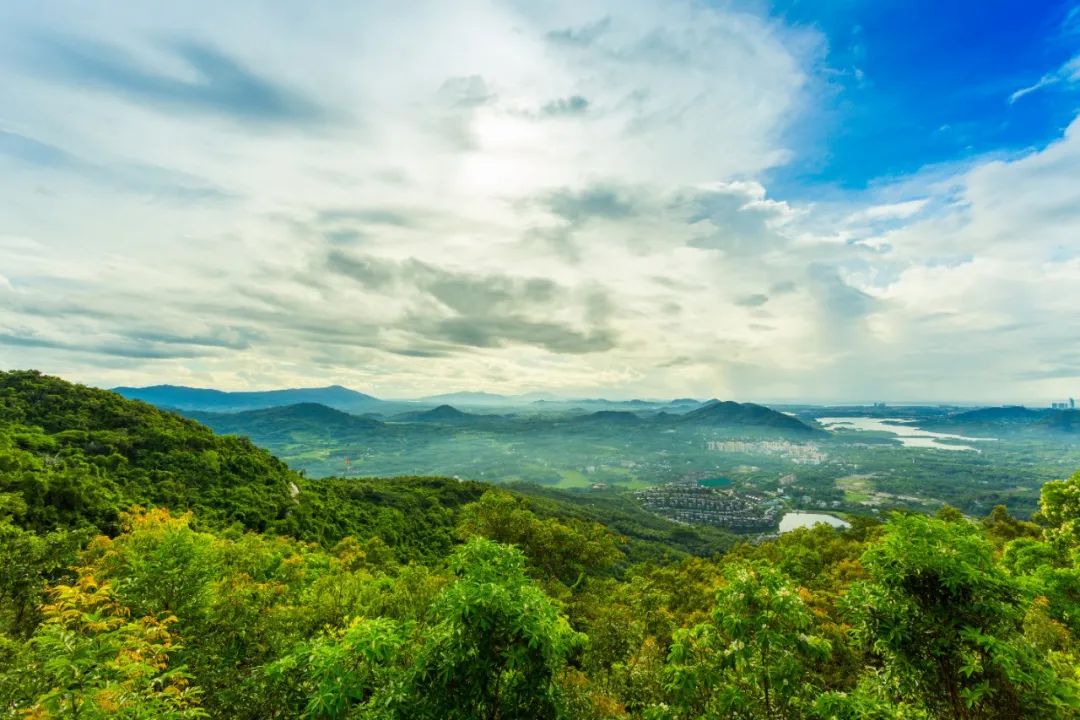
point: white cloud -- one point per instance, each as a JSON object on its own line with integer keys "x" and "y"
{"x": 495, "y": 196}
{"x": 890, "y": 211}
{"x": 1067, "y": 73}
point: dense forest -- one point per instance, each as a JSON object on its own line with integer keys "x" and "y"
{"x": 152, "y": 569}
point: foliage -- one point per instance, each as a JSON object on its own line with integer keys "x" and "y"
{"x": 149, "y": 568}
{"x": 566, "y": 551}
{"x": 498, "y": 646}
{"x": 74, "y": 456}
{"x": 90, "y": 660}
{"x": 751, "y": 658}
{"x": 947, "y": 622}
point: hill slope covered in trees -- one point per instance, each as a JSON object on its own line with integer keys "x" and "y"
{"x": 151, "y": 569}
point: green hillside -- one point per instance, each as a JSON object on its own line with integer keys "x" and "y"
{"x": 75, "y": 456}
{"x": 152, "y": 569}
{"x": 728, "y": 414}
{"x": 281, "y": 423}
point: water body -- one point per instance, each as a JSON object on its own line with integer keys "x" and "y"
{"x": 715, "y": 482}
{"x": 795, "y": 520}
{"x": 909, "y": 435}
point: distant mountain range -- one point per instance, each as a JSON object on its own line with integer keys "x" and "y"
{"x": 188, "y": 399}
{"x": 486, "y": 398}
{"x": 337, "y": 408}
{"x": 203, "y": 399}
{"x": 299, "y": 407}
{"x": 313, "y": 419}
{"x": 1013, "y": 417}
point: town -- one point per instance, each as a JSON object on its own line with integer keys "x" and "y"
{"x": 691, "y": 502}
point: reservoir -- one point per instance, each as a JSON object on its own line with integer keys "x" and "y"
{"x": 906, "y": 433}
{"x": 795, "y": 520}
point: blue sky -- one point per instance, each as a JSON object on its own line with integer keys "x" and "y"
{"x": 914, "y": 83}
{"x": 823, "y": 201}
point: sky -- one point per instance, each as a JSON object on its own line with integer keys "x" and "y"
{"x": 844, "y": 200}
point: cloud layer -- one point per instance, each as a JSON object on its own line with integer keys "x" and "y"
{"x": 416, "y": 198}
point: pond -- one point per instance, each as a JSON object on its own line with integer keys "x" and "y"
{"x": 715, "y": 482}
{"x": 795, "y": 520}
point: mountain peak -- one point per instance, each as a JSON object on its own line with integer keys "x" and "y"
{"x": 444, "y": 410}
{"x": 730, "y": 413}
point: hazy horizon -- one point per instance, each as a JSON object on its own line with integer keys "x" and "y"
{"x": 541, "y": 394}
{"x": 777, "y": 202}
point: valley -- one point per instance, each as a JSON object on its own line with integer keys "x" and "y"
{"x": 860, "y": 460}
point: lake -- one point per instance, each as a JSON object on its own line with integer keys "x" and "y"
{"x": 909, "y": 435}
{"x": 795, "y": 520}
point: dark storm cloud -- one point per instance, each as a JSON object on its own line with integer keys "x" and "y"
{"x": 223, "y": 86}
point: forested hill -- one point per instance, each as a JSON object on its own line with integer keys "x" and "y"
{"x": 727, "y": 413}
{"x": 75, "y": 457}
{"x": 283, "y": 422}
{"x": 431, "y": 599}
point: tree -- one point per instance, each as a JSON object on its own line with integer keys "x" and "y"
{"x": 563, "y": 550}
{"x": 342, "y": 670}
{"x": 496, "y": 647}
{"x": 1059, "y": 509}
{"x": 947, "y": 623}
{"x": 751, "y": 659}
{"x": 91, "y": 661}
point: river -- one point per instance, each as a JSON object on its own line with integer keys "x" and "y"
{"x": 909, "y": 435}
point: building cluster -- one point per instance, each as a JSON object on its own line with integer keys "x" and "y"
{"x": 799, "y": 453}
{"x": 1069, "y": 404}
{"x": 693, "y": 504}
